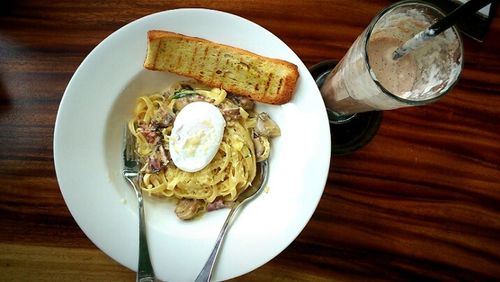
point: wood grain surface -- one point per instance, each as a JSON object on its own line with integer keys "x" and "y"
{"x": 420, "y": 202}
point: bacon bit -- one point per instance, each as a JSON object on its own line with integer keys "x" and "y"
{"x": 216, "y": 205}
{"x": 149, "y": 132}
{"x": 231, "y": 114}
{"x": 158, "y": 160}
{"x": 154, "y": 164}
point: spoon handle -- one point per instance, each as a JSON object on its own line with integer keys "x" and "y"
{"x": 206, "y": 272}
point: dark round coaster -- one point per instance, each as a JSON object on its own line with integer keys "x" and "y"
{"x": 348, "y": 133}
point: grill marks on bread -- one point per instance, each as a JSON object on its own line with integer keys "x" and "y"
{"x": 238, "y": 71}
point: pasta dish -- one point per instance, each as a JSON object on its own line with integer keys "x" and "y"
{"x": 168, "y": 147}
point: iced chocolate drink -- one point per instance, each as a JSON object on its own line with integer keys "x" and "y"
{"x": 368, "y": 78}
{"x": 397, "y": 76}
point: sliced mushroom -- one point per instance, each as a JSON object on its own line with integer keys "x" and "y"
{"x": 265, "y": 126}
{"x": 163, "y": 118}
{"x": 189, "y": 208}
{"x": 262, "y": 148}
{"x": 244, "y": 102}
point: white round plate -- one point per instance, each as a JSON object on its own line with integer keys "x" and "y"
{"x": 88, "y": 145}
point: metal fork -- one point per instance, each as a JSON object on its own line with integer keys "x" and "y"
{"x": 145, "y": 272}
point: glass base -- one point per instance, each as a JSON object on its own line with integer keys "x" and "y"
{"x": 348, "y": 132}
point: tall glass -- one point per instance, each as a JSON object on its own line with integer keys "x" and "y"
{"x": 369, "y": 79}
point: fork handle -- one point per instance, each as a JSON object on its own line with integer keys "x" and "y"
{"x": 145, "y": 272}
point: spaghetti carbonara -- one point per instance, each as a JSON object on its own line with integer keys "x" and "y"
{"x": 245, "y": 141}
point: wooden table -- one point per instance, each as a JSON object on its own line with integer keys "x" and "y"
{"x": 421, "y": 201}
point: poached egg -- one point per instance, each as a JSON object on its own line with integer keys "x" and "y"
{"x": 196, "y": 136}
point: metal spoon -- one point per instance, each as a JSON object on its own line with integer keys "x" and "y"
{"x": 250, "y": 193}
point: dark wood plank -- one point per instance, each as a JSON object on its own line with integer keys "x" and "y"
{"x": 421, "y": 201}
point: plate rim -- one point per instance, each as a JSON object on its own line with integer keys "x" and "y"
{"x": 58, "y": 123}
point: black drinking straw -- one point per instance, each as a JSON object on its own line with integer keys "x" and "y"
{"x": 449, "y": 20}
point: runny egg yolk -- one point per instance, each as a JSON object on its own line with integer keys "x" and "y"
{"x": 196, "y": 136}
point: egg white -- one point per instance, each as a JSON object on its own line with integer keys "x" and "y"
{"x": 196, "y": 136}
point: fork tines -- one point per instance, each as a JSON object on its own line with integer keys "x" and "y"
{"x": 129, "y": 154}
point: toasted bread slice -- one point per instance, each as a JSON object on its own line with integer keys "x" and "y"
{"x": 236, "y": 70}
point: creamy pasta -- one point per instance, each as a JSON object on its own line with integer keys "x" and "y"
{"x": 231, "y": 171}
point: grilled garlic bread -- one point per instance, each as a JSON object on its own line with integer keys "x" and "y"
{"x": 236, "y": 70}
